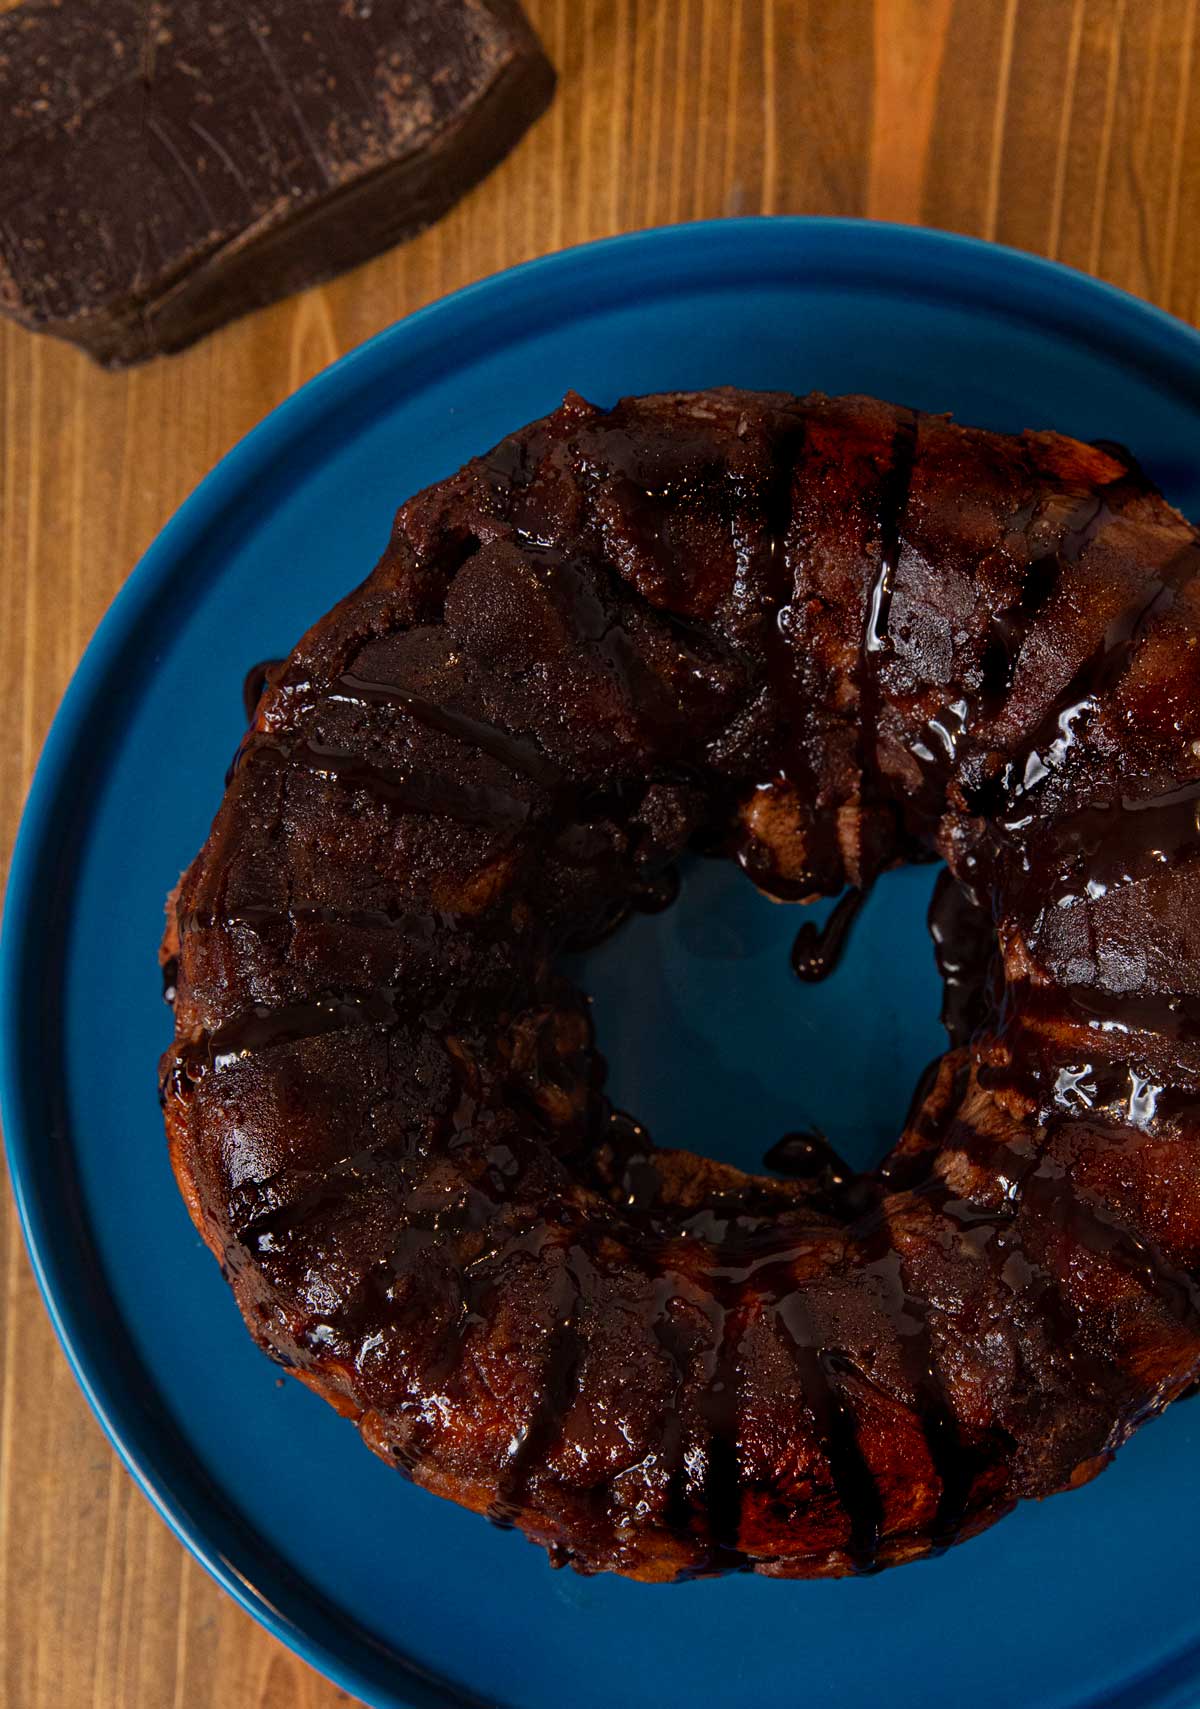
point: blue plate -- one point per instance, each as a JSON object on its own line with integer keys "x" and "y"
{"x": 403, "y": 1599}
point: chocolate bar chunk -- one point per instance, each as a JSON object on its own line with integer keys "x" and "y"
{"x": 166, "y": 165}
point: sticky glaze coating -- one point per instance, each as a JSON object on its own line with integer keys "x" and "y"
{"x": 823, "y": 636}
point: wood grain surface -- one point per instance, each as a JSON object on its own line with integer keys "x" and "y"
{"x": 1069, "y": 127}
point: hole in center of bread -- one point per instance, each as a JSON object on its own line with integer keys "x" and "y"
{"x": 714, "y": 1044}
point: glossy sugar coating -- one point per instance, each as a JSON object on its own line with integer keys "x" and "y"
{"x": 822, "y": 636}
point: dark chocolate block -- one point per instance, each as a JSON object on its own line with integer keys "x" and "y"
{"x": 165, "y": 166}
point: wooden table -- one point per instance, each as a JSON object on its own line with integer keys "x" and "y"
{"x": 1063, "y": 126}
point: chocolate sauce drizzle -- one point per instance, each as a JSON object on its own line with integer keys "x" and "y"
{"x": 876, "y": 640}
{"x": 420, "y": 927}
{"x": 650, "y": 895}
{"x": 1107, "y": 844}
{"x": 1009, "y": 629}
{"x": 955, "y": 1463}
{"x": 817, "y": 950}
{"x": 808, "y": 1156}
{"x": 1171, "y": 1015}
{"x": 264, "y": 1026}
{"x": 255, "y": 683}
{"x": 1045, "y": 1184}
{"x": 939, "y": 747}
{"x": 724, "y": 1486}
{"x": 964, "y": 941}
{"x": 559, "y": 1384}
{"x": 996, "y": 1233}
{"x": 475, "y": 804}
{"x": 677, "y": 1505}
{"x": 1056, "y": 736}
{"x": 893, "y": 503}
{"x": 1061, "y": 1202}
{"x": 415, "y": 791}
{"x": 518, "y": 755}
{"x": 820, "y": 1368}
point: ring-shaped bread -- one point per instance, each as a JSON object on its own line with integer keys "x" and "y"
{"x": 822, "y": 636}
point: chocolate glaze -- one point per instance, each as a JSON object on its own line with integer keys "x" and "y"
{"x": 1008, "y": 630}
{"x": 1171, "y": 1016}
{"x": 809, "y": 1156}
{"x": 821, "y": 1370}
{"x": 954, "y": 1461}
{"x": 817, "y": 950}
{"x": 963, "y": 944}
{"x": 943, "y": 740}
{"x": 1059, "y": 1202}
{"x": 688, "y": 1370}
{"x": 650, "y": 896}
{"x": 559, "y": 1384}
{"x": 998, "y": 1234}
{"x": 265, "y": 1025}
{"x": 410, "y": 791}
{"x": 1038, "y": 1182}
{"x": 876, "y": 642}
{"x": 1109, "y": 843}
{"x": 255, "y": 682}
{"x": 1059, "y": 733}
{"x": 723, "y": 1486}
{"x": 257, "y": 916}
{"x": 519, "y": 756}
{"x": 893, "y": 502}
